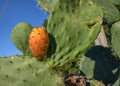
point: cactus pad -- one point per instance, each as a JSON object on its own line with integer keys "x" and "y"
{"x": 47, "y": 5}
{"x": 39, "y": 42}
{"x": 112, "y": 14}
{"x": 16, "y": 71}
{"x": 116, "y": 2}
{"x": 20, "y": 36}
{"x": 115, "y": 42}
{"x": 96, "y": 83}
{"x": 98, "y": 64}
{"x": 74, "y": 26}
{"x": 117, "y": 83}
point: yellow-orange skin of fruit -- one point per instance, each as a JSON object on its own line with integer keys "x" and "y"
{"x": 39, "y": 42}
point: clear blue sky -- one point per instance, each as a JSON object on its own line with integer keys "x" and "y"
{"x": 17, "y": 11}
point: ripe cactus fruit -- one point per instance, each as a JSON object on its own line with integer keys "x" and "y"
{"x": 20, "y": 37}
{"x": 39, "y": 42}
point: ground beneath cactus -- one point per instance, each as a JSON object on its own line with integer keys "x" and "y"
{"x": 75, "y": 81}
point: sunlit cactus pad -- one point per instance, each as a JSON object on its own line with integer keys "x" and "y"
{"x": 115, "y": 42}
{"x": 112, "y": 14}
{"x": 47, "y": 5}
{"x": 73, "y": 26}
{"x": 16, "y": 71}
{"x": 20, "y": 36}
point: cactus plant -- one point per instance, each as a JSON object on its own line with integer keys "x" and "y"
{"x": 98, "y": 64}
{"x": 73, "y": 26}
{"x": 116, "y": 2}
{"x": 17, "y": 71}
{"x": 20, "y": 36}
{"x": 96, "y": 83}
{"x": 117, "y": 83}
{"x": 39, "y": 42}
{"x": 47, "y": 5}
{"x": 112, "y": 14}
{"x": 73, "y": 37}
{"x": 115, "y": 29}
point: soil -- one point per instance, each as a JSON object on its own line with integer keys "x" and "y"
{"x": 75, "y": 81}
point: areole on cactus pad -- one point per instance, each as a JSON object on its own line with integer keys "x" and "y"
{"x": 39, "y": 42}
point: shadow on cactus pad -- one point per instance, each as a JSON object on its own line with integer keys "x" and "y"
{"x": 52, "y": 45}
{"x": 99, "y": 64}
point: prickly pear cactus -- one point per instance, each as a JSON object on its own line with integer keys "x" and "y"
{"x": 96, "y": 83}
{"x": 112, "y": 14}
{"x": 73, "y": 27}
{"x": 20, "y": 36}
{"x": 39, "y": 42}
{"x": 116, "y": 2}
{"x": 98, "y": 64}
{"x": 117, "y": 83}
{"x": 16, "y": 71}
{"x": 47, "y": 5}
{"x": 115, "y": 36}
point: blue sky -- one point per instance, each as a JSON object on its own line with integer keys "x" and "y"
{"x": 17, "y": 11}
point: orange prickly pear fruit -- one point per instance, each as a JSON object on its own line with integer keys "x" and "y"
{"x": 39, "y": 42}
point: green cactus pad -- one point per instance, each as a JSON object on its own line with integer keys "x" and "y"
{"x": 20, "y": 36}
{"x": 16, "y": 71}
{"x": 115, "y": 42}
{"x": 87, "y": 11}
{"x": 96, "y": 83}
{"x": 47, "y": 5}
{"x": 98, "y": 64}
{"x": 73, "y": 26}
{"x": 116, "y": 2}
{"x": 112, "y": 14}
{"x": 117, "y": 83}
